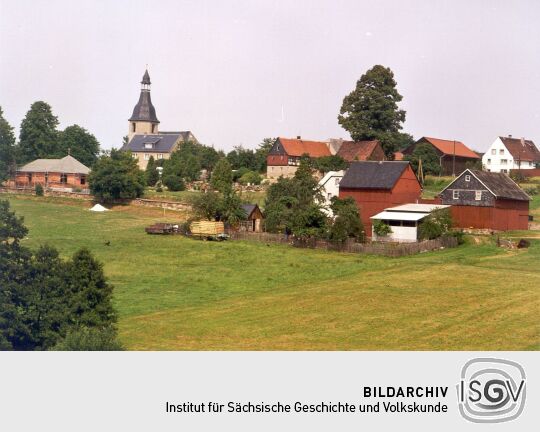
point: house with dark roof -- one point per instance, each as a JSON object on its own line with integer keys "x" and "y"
{"x": 65, "y": 173}
{"x": 361, "y": 151}
{"x": 144, "y": 138}
{"x": 284, "y": 157}
{"x": 487, "y": 200}
{"x": 378, "y": 185}
{"x": 454, "y": 156}
{"x": 507, "y": 153}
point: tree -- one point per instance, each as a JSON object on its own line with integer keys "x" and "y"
{"x": 262, "y": 153}
{"x": 174, "y": 183}
{"x": 435, "y": 225}
{"x": 430, "y": 159}
{"x": 184, "y": 162}
{"x": 222, "y": 176}
{"x": 38, "y": 136}
{"x": 79, "y": 143}
{"x": 7, "y": 148}
{"x": 151, "y": 173}
{"x": 116, "y": 177}
{"x": 329, "y": 163}
{"x": 44, "y": 298}
{"x": 250, "y": 177}
{"x": 347, "y": 222}
{"x": 206, "y": 205}
{"x": 371, "y": 110}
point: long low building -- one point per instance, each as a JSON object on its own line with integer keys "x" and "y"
{"x": 404, "y": 221}
{"x": 63, "y": 173}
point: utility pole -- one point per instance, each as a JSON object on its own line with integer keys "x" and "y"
{"x": 454, "y": 161}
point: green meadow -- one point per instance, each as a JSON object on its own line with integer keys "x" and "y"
{"x": 175, "y": 293}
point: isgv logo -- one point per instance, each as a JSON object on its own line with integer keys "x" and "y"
{"x": 491, "y": 390}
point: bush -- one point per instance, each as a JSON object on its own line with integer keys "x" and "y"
{"x": 89, "y": 339}
{"x": 381, "y": 228}
{"x": 437, "y": 224}
{"x": 250, "y": 177}
{"x": 174, "y": 183}
{"x": 39, "y": 190}
{"x": 531, "y": 190}
{"x": 239, "y": 173}
{"x": 459, "y": 235}
{"x": 159, "y": 189}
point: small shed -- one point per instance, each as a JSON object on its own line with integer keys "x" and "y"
{"x": 254, "y": 218}
{"x": 404, "y": 221}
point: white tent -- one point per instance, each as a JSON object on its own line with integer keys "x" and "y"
{"x": 98, "y": 208}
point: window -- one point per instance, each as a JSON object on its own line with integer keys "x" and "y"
{"x": 409, "y": 223}
{"x": 29, "y": 176}
{"x": 160, "y": 156}
{"x": 133, "y": 127}
{"x": 504, "y": 171}
{"x": 146, "y": 156}
{"x": 467, "y": 178}
{"x": 501, "y": 151}
{"x": 63, "y": 178}
{"x": 337, "y": 180}
{"x": 455, "y": 194}
{"x": 478, "y": 195}
{"x": 489, "y": 161}
{"x": 153, "y": 128}
{"x": 134, "y": 155}
{"x": 83, "y": 180}
{"x": 504, "y": 161}
{"x": 148, "y": 145}
{"x": 493, "y": 151}
{"x": 46, "y": 178}
{"x": 329, "y": 196}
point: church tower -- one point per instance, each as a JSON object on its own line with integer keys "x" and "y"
{"x": 143, "y": 121}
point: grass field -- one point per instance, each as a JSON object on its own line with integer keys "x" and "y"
{"x": 174, "y": 293}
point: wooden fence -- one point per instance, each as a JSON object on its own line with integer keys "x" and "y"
{"x": 386, "y": 249}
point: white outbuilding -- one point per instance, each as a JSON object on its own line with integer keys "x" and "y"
{"x": 403, "y": 221}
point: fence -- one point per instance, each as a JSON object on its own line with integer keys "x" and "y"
{"x": 386, "y": 249}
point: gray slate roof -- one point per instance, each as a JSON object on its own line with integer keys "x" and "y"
{"x": 248, "y": 208}
{"x": 68, "y": 165}
{"x": 161, "y": 143}
{"x": 373, "y": 175}
{"x": 500, "y": 184}
{"x": 144, "y": 110}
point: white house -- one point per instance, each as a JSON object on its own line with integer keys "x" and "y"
{"x": 403, "y": 221}
{"x": 507, "y": 153}
{"x": 330, "y": 188}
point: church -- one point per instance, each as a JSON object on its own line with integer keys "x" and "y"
{"x": 144, "y": 137}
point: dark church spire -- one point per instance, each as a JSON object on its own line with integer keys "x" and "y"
{"x": 144, "y": 110}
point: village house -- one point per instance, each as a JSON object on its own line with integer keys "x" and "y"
{"x": 507, "y": 153}
{"x": 378, "y": 185}
{"x": 65, "y": 173}
{"x": 329, "y": 185}
{"x": 454, "y": 156}
{"x": 486, "y": 200}
{"x": 361, "y": 151}
{"x": 254, "y": 218}
{"x": 144, "y": 138}
{"x": 404, "y": 221}
{"x": 284, "y": 157}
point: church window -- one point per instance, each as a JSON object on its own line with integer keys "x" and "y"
{"x": 133, "y": 126}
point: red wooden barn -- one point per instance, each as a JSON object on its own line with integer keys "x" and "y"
{"x": 487, "y": 200}
{"x": 379, "y": 185}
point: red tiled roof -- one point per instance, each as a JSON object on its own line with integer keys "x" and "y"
{"x": 447, "y": 147}
{"x": 398, "y": 156}
{"x": 357, "y": 150}
{"x": 298, "y": 147}
{"x": 525, "y": 151}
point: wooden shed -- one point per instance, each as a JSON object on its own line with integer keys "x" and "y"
{"x": 254, "y": 218}
{"x": 487, "y": 200}
{"x": 376, "y": 186}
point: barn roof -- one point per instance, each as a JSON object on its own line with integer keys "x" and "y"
{"x": 357, "y": 150}
{"x": 447, "y": 147}
{"x": 524, "y": 150}
{"x": 298, "y": 147}
{"x": 68, "y": 165}
{"x": 373, "y": 175}
{"x": 248, "y": 208}
{"x": 161, "y": 143}
{"x": 499, "y": 184}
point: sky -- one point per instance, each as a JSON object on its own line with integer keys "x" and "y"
{"x": 234, "y": 72}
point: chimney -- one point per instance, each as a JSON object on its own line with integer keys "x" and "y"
{"x": 298, "y": 137}
{"x": 509, "y": 135}
{"x": 523, "y": 141}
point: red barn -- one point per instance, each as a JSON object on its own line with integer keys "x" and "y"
{"x": 487, "y": 200}
{"x": 361, "y": 150}
{"x": 379, "y": 185}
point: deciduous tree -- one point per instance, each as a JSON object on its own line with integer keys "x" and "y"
{"x": 79, "y": 143}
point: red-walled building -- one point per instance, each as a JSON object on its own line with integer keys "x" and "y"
{"x": 487, "y": 200}
{"x": 379, "y": 185}
{"x": 63, "y": 173}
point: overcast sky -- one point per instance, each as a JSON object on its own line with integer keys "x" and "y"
{"x": 234, "y": 72}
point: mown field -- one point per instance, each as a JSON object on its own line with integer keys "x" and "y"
{"x": 174, "y": 293}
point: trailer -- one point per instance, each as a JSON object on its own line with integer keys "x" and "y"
{"x": 208, "y": 230}
{"x": 162, "y": 228}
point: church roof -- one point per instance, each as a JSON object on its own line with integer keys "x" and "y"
{"x": 146, "y": 78}
{"x": 144, "y": 110}
{"x": 159, "y": 143}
